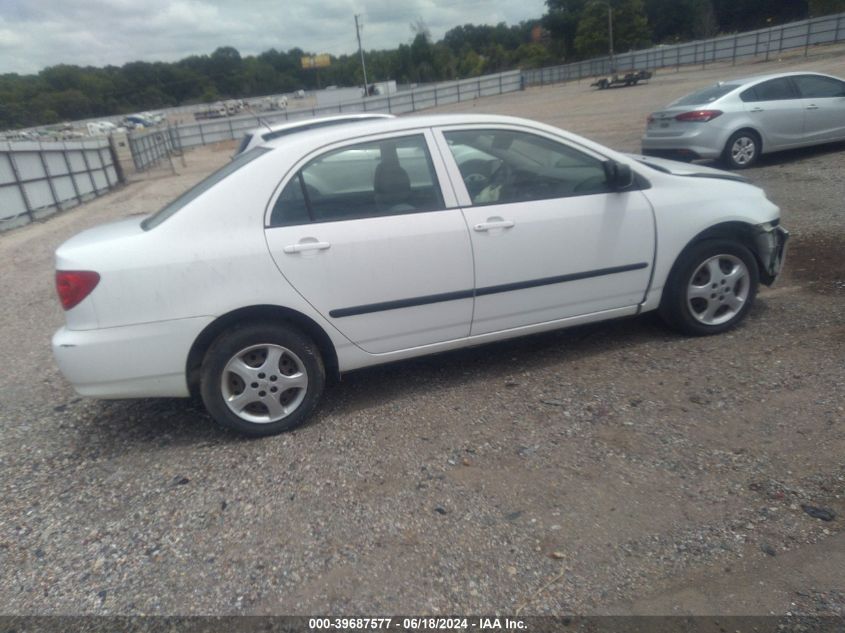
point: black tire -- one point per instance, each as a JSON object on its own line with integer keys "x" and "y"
{"x": 742, "y": 149}
{"x": 297, "y": 385}
{"x": 730, "y": 297}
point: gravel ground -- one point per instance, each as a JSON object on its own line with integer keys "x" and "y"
{"x": 615, "y": 468}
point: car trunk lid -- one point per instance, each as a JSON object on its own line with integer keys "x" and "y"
{"x": 71, "y": 252}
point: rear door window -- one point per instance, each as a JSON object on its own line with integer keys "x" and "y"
{"x": 815, "y": 87}
{"x": 388, "y": 177}
{"x": 772, "y": 90}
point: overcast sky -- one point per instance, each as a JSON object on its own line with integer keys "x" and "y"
{"x": 39, "y": 33}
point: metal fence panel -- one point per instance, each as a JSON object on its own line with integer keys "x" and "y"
{"x": 77, "y": 163}
{"x": 11, "y": 202}
{"x": 6, "y": 173}
{"x": 29, "y": 165}
{"x": 64, "y": 188}
{"x": 146, "y": 152}
{"x": 761, "y": 43}
{"x": 38, "y": 179}
{"x": 56, "y": 165}
{"x": 84, "y": 183}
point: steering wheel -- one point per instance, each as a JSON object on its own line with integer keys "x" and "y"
{"x": 475, "y": 175}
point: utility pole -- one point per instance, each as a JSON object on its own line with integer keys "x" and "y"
{"x": 361, "y": 52}
{"x": 610, "y": 34}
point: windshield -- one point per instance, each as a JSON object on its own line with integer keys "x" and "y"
{"x": 203, "y": 186}
{"x": 708, "y": 95}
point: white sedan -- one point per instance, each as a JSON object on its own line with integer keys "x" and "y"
{"x": 345, "y": 247}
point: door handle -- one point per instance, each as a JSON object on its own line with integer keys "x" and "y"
{"x": 756, "y": 110}
{"x": 812, "y": 106}
{"x": 493, "y": 224}
{"x": 306, "y": 246}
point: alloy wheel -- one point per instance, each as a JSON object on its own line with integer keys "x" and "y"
{"x": 743, "y": 150}
{"x": 264, "y": 383}
{"x": 718, "y": 289}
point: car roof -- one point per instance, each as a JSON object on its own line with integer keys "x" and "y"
{"x": 311, "y": 140}
{"x": 292, "y": 125}
{"x": 753, "y": 79}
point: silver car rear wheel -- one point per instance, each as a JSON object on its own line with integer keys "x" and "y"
{"x": 742, "y": 149}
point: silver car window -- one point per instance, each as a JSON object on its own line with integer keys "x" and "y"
{"x": 707, "y": 95}
{"x": 771, "y": 90}
{"x": 815, "y": 87}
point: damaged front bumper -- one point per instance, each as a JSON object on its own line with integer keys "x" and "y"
{"x": 771, "y": 240}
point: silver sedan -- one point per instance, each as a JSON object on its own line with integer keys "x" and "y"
{"x": 741, "y": 119}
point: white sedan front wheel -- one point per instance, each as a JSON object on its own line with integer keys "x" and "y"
{"x": 711, "y": 287}
{"x": 718, "y": 289}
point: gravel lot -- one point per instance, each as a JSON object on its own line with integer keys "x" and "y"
{"x": 617, "y": 468}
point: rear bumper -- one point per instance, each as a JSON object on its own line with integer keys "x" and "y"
{"x": 146, "y": 360}
{"x": 697, "y": 143}
{"x": 672, "y": 154}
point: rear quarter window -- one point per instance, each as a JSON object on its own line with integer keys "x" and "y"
{"x": 200, "y": 188}
{"x": 708, "y": 95}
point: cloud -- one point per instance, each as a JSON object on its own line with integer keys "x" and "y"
{"x": 39, "y": 33}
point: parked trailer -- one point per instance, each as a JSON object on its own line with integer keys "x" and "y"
{"x": 616, "y": 80}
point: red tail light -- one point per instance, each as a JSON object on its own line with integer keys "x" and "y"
{"x": 74, "y": 285}
{"x": 698, "y": 116}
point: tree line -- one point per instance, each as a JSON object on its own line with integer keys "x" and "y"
{"x": 570, "y": 30}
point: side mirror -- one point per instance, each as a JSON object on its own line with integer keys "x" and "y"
{"x": 619, "y": 176}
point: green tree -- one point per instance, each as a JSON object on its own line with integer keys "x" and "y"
{"x": 630, "y": 27}
{"x": 227, "y": 71}
{"x": 562, "y": 23}
{"x": 825, "y": 7}
{"x": 672, "y": 20}
{"x": 532, "y": 55}
{"x": 743, "y": 15}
